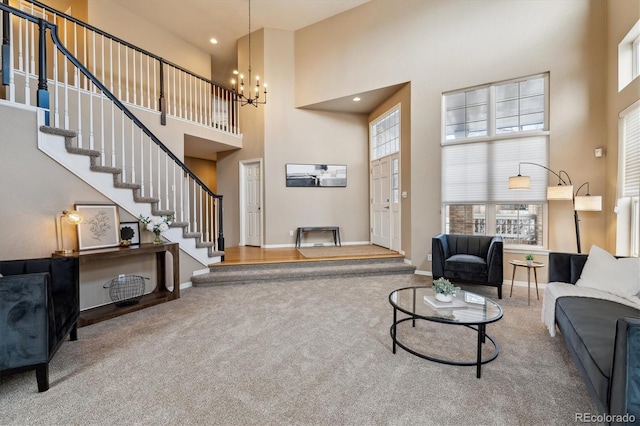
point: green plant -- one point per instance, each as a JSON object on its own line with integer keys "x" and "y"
{"x": 444, "y": 286}
{"x": 528, "y": 256}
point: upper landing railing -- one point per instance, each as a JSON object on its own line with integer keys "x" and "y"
{"x": 135, "y": 75}
{"x": 75, "y": 99}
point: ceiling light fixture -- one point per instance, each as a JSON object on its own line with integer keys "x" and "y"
{"x": 356, "y": 99}
{"x": 213, "y": 41}
{"x": 249, "y": 99}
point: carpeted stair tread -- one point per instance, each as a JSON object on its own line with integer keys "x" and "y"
{"x": 106, "y": 169}
{"x": 58, "y": 131}
{"x": 300, "y": 270}
{"x": 82, "y": 151}
{"x": 127, "y": 185}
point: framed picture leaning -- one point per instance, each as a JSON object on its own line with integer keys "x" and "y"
{"x": 100, "y": 227}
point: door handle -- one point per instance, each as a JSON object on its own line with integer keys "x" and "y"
{"x": 387, "y": 207}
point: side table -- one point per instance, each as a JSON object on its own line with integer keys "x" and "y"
{"x": 534, "y": 266}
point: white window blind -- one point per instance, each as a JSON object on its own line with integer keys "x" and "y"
{"x": 479, "y": 172}
{"x": 631, "y": 153}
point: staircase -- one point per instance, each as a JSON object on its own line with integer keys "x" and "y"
{"x": 81, "y": 119}
{"x": 221, "y": 274}
{"x": 135, "y": 203}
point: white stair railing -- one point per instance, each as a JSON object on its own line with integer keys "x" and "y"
{"x": 134, "y": 75}
{"x": 117, "y": 140}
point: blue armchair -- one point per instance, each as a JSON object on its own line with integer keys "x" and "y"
{"x": 470, "y": 259}
{"x": 39, "y": 308}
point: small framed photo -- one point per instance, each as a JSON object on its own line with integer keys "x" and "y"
{"x": 100, "y": 227}
{"x": 130, "y": 233}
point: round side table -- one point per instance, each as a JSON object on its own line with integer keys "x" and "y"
{"x": 534, "y": 266}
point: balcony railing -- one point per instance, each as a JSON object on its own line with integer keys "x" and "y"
{"x": 134, "y": 75}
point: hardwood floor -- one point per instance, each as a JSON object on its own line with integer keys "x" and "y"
{"x": 254, "y": 255}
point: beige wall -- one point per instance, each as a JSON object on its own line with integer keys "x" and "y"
{"x": 205, "y": 170}
{"x": 125, "y": 24}
{"x": 621, "y": 16}
{"x": 445, "y": 45}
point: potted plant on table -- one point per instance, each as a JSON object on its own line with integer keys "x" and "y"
{"x": 444, "y": 290}
{"x": 156, "y": 225}
{"x": 529, "y": 259}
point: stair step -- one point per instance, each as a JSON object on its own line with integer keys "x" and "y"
{"x": 126, "y": 185}
{"x": 236, "y": 274}
{"x": 58, "y": 131}
{"x": 162, "y": 212}
{"x": 106, "y": 169}
{"x": 83, "y": 151}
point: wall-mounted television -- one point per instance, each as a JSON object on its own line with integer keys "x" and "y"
{"x": 316, "y": 175}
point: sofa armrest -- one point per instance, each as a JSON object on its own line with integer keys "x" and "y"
{"x": 566, "y": 267}
{"x": 625, "y": 372}
{"x": 439, "y": 253}
{"x": 495, "y": 257}
{"x": 26, "y": 321}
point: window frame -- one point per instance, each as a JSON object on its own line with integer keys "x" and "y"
{"x": 490, "y": 208}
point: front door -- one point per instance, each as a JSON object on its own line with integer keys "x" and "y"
{"x": 380, "y": 202}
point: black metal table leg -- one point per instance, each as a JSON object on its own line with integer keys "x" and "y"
{"x": 393, "y": 329}
{"x": 481, "y": 329}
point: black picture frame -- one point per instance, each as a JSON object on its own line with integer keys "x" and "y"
{"x": 316, "y": 175}
{"x": 126, "y": 228}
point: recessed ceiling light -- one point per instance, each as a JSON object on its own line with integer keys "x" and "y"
{"x": 356, "y": 99}
{"x": 213, "y": 41}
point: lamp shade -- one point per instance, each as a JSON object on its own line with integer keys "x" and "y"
{"x": 560, "y": 192}
{"x": 588, "y": 203}
{"x": 520, "y": 182}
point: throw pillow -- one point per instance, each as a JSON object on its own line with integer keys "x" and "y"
{"x": 604, "y": 272}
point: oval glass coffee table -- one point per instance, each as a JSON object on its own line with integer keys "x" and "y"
{"x": 467, "y": 309}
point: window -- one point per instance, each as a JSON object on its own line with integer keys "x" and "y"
{"x": 487, "y": 131}
{"x": 385, "y": 134}
{"x": 629, "y": 57}
{"x": 629, "y": 181}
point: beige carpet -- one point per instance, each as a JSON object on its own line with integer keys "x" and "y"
{"x": 314, "y": 352}
{"x": 345, "y": 251}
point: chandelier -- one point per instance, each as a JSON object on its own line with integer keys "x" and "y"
{"x": 250, "y": 98}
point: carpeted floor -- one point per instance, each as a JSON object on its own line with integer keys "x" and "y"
{"x": 345, "y": 251}
{"x": 314, "y": 352}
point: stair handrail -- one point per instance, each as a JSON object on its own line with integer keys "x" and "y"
{"x": 42, "y": 84}
{"x": 125, "y": 43}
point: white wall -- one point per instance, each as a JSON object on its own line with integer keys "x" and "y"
{"x": 443, "y": 45}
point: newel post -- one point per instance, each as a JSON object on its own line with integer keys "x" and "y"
{"x": 6, "y": 52}
{"x": 220, "y": 228}
{"x": 162, "y": 102}
{"x": 43, "y": 93}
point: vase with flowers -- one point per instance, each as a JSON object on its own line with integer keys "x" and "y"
{"x": 157, "y": 225}
{"x": 444, "y": 290}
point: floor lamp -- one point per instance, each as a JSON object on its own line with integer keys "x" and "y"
{"x": 562, "y": 191}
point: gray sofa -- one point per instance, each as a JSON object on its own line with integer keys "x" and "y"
{"x": 39, "y": 308}
{"x": 470, "y": 259}
{"x": 603, "y": 338}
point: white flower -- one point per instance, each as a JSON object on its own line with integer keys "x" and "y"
{"x": 149, "y": 227}
{"x": 163, "y": 227}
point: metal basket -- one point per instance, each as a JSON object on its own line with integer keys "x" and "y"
{"x": 126, "y": 290}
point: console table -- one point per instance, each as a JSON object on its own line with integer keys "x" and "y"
{"x": 334, "y": 229}
{"x": 159, "y": 295}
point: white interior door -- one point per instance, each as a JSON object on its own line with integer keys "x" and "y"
{"x": 394, "y": 202}
{"x": 251, "y": 203}
{"x": 380, "y": 202}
